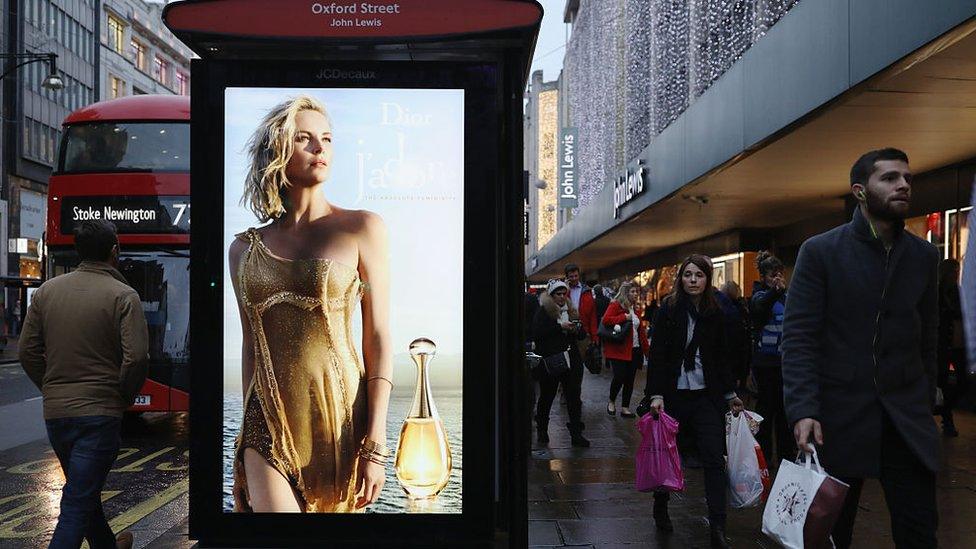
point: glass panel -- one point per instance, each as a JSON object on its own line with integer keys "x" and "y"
{"x": 162, "y": 279}
{"x": 127, "y": 146}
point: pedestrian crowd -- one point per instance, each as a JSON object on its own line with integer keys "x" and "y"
{"x": 849, "y": 360}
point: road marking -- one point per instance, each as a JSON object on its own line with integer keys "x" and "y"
{"x": 140, "y": 510}
{"x": 134, "y": 467}
{"x": 39, "y": 505}
{"x": 33, "y": 399}
{"x": 170, "y": 466}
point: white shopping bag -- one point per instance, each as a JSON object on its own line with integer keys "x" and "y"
{"x": 803, "y": 505}
{"x": 745, "y": 472}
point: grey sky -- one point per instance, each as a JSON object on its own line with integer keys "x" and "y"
{"x": 550, "y": 47}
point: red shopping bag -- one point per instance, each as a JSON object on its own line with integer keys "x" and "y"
{"x": 764, "y": 469}
{"x": 658, "y": 462}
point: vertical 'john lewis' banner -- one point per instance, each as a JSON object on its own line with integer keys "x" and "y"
{"x": 568, "y": 185}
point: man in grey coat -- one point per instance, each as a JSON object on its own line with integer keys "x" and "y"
{"x": 859, "y": 352}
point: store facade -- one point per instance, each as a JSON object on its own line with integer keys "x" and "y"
{"x": 760, "y": 158}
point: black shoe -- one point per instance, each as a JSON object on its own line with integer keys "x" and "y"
{"x": 625, "y": 412}
{"x": 717, "y": 536}
{"x": 542, "y": 432}
{"x": 661, "y": 517}
{"x": 579, "y": 441}
{"x": 949, "y": 430}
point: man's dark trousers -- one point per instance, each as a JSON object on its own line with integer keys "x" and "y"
{"x": 769, "y": 382}
{"x": 86, "y": 447}
{"x": 909, "y": 489}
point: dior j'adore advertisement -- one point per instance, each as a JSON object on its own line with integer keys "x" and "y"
{"x": 343, "y": 231}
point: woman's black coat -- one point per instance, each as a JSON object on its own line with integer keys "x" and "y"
{"x": 668, "y": 350}
{"x": 550, "y": 337}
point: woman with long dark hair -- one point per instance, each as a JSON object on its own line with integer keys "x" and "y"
{"x": 689, "y": 373}
{"x": 627, "y": 355}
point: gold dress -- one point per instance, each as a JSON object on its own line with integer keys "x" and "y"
{"x": 305, "y": 409}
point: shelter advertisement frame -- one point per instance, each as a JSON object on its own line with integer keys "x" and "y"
{"x": 483, "y": 152}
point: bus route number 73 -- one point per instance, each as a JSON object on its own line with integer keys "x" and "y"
{"x": 180, "y": 210}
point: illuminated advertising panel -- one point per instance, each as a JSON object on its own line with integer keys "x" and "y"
{"x": 343, "y": 223}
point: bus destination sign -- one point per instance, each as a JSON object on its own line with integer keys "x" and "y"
{"x": 130, "y": 214}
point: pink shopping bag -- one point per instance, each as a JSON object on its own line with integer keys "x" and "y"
{"x": 658, "y": 462}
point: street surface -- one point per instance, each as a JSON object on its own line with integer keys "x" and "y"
{"x": 577, "y": 497}
{"x": 146, "y": 491}
{"x": 585, "y": 497}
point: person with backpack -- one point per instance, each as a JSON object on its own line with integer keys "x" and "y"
{"x": 766, "y": 308}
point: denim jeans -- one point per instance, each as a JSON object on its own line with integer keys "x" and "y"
{"x": 86, "y": 447}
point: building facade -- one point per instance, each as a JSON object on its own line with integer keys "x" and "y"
{"x": 541, "y": 136}
{"x": 728, "y": 126}
{"x": 138, "y": 53}
{"x": 67, "y": 28}
{"x": 104, "y": 50}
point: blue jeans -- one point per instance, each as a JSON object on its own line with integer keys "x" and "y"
{"x": 86, "y": 447}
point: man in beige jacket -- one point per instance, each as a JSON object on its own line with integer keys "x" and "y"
{"x": 85, "y": 345}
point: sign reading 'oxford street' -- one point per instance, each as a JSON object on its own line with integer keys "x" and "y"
{"x": 629, "y": 186}
{"x": 568, "y": 187}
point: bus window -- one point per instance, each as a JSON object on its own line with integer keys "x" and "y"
{"x": 162, "y": 279}
{"x": 125, "y": 147}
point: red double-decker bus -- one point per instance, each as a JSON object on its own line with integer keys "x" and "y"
{"x": 128, "y": 161}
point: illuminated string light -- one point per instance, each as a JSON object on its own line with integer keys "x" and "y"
{"x": 548, "y": 120}
{"x": 633, "y": 66}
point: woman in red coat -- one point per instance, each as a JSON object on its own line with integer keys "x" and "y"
{"x": 625, "y": 356}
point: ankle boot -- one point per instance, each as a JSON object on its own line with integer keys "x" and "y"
{"x": 661, "y": 517}
{"x": 542, "y": 431}
{"x": 949, "y": 428}
{"x": 576, "y": 435}
{"x": 717, "y": 536}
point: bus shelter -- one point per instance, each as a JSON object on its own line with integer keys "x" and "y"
{"x": 414, "y": 133}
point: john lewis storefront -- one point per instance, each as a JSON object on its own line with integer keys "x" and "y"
{"x": 761, "y": 158}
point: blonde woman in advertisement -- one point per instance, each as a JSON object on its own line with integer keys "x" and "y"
{"x": 312, "y": 438}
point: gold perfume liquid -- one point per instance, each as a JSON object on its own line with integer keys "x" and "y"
{"x": 423, "y": 464}
{"x": 423, "y": 457}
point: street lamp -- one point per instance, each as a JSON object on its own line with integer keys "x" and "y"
{"x": 52, "y": 82}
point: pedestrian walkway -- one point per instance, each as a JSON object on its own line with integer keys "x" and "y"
{"x": 585, "y": 497}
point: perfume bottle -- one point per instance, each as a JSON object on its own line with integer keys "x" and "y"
{"x": 423, "y": 458}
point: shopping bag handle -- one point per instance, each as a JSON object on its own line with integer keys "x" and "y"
{"x": 804, "y": 459}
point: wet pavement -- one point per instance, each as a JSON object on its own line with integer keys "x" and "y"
{"x": 585, "y": 497}
{"x": 146, "y": 491}
{"x": 577, "y": 497}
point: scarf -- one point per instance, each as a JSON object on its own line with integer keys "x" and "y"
{"x": 685, "y": 307}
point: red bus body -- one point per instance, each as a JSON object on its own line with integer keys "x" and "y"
{"x": 105, "y": 172}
